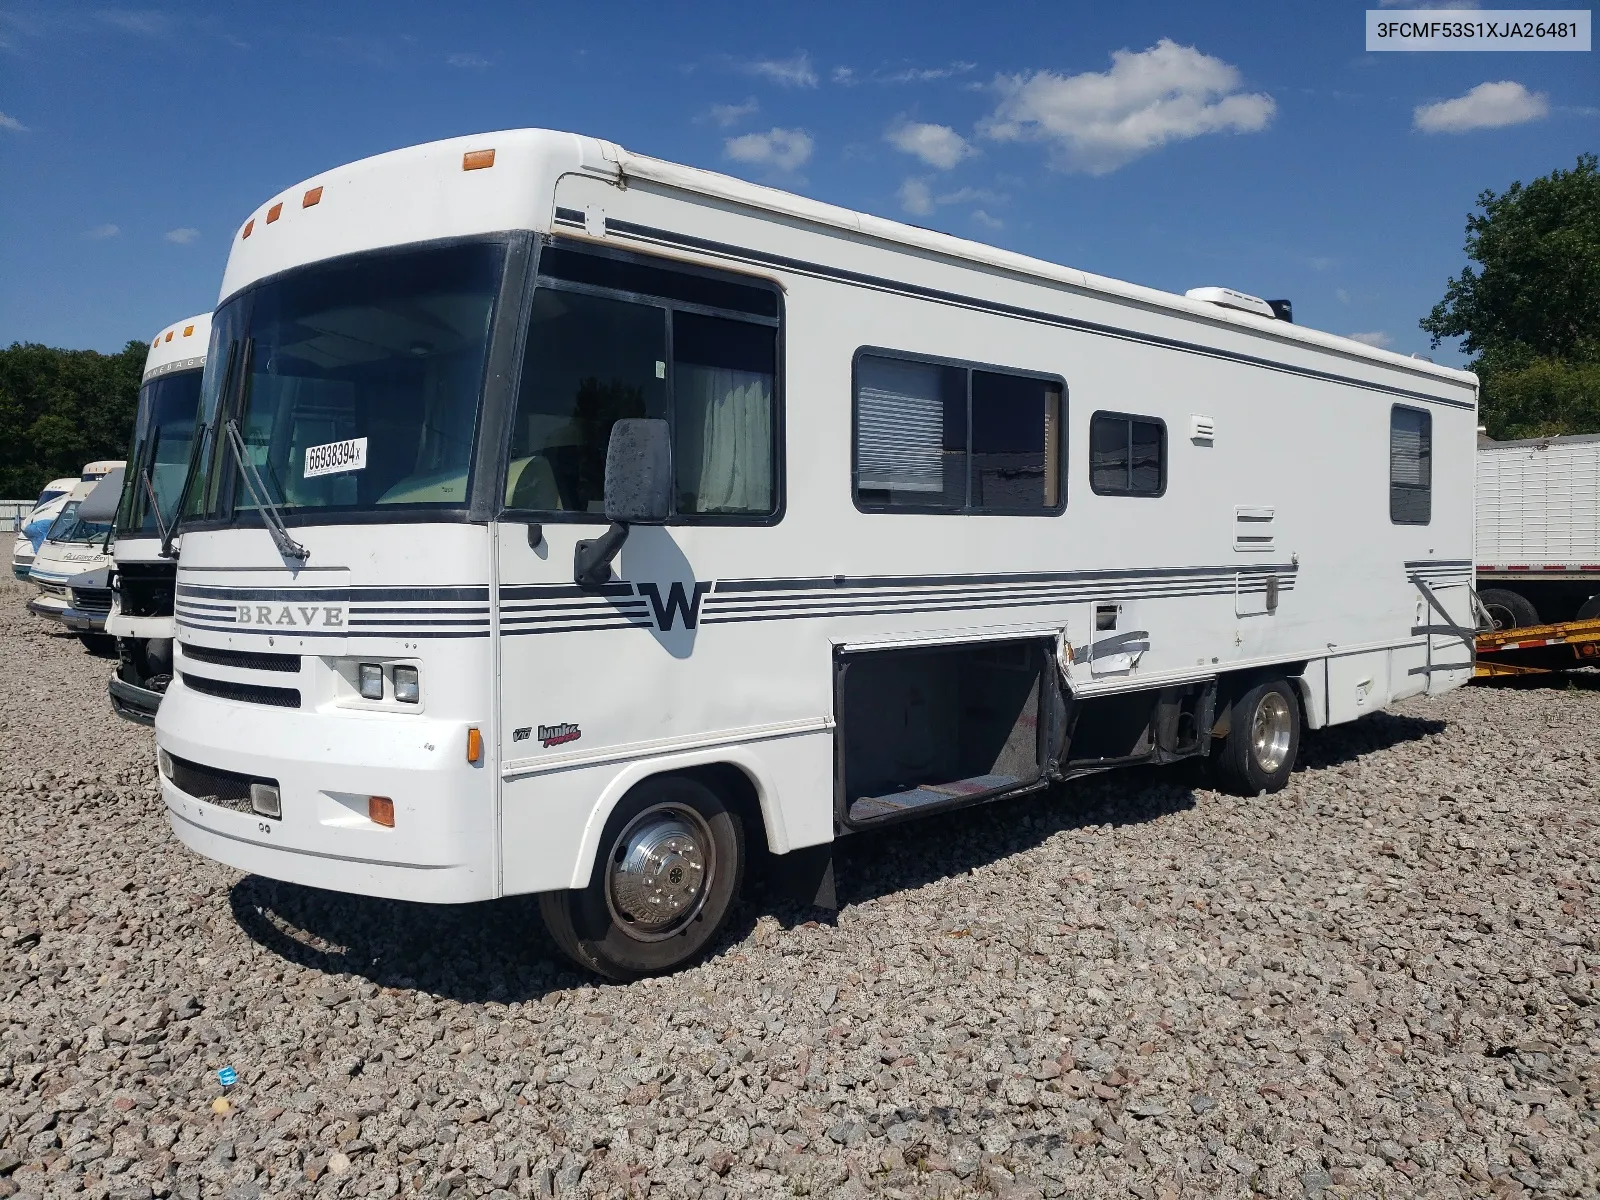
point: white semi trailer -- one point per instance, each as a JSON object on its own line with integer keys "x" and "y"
{"x": 1538, "y": 530}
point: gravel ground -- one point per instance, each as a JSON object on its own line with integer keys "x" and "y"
{"x": 1379, "y": 983}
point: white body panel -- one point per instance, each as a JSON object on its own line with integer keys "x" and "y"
{"x": 1538, "y": 507}
{"x": 718, "y": 645}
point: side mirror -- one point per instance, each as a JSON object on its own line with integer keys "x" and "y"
{"x": 638, "y": 492}
{"x": 639, "y": 472}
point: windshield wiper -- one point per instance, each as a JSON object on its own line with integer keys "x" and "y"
{"x": 270, "y": 517}
{"x": 155, "y": 505}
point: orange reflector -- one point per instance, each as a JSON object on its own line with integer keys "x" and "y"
{"x": 274, "y": 212}
{"x": 380, "y": 810}
{"x": 477, "y": 160}
{"x": 314, "y": 196}
{"x": 156, "y": 343}
{"x": 168, "y": 338}
{"x": 474, "y": 745}
{"x": 248, "y": 227}
{"x": 188, "y": 331}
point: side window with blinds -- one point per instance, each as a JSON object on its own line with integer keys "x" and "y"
{"x": 1410, "y": 466}
{"x": 1127, "y": 455}
{"x": 945, "y": 437}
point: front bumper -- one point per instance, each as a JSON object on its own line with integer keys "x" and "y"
{"x": 83, "y": 620}
{"x": 326, "y": 764}
{"x": 47, "y": 605}
{"x": 132, "y": 702}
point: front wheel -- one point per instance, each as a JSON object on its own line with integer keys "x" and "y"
{"x": 1263, "y": 740}
{"x": 671, "y": 863}
{"x": 1508, "y": 610}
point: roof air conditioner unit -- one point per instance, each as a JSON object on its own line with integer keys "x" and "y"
{"x": 1228, "y": 298}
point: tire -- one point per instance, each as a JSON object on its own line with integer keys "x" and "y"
{"x": 1263, "y": 740}
{"x": 101, "y": 645}
{"x": 1510, "y": 610}
{"x": 609, "y": 926}
{"x": 1589, "y": 610}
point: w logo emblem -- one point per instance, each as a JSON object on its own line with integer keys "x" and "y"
{"x": 677, "y": 601}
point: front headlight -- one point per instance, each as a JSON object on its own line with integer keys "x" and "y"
{"x": 371, "y": 675}
{"x": 406, "y": 689}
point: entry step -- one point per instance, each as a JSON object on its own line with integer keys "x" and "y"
{"x": 873, "y": 808}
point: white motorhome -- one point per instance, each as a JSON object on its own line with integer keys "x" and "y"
{"x": 74, "y": 545}
{"x": 1538, "y": 530}
{"x": 144, "y": 575}
{"x": 572, "y": 522}
{"x": 32, "y": 528}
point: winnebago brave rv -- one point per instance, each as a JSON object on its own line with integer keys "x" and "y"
{"x": 570, "y": 522}
{"x": 146, "y": 561}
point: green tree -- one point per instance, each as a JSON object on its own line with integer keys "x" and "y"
{"x": 62, "y": 408}
{"x": 1531, "y": 313}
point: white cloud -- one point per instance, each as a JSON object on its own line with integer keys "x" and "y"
{"x": 845, "y": 76}
{"x": 937, "y": 145}
{"x": 925, "y": 74}
{"x": 11, "y": 123}
{"x": 916, "y": 197}
{"x": 1428, "y": 4}
{"x": 143, "y": 21}
{"x": 102, "y": 231}
{"x": 786, "y": 72}
{"x": 988, "y": 222}
{"x": 476, "y": 62}
{"x": 732, "y": 114}
{"x": 1487, "y": 106}
{"x": 1377, "y": 338}
{"x": 1320, "y": 263}
{"x": 1100, "y": 120}
{"x": 786, "y": 149}
{"x": 181, "y": 237}
{"x": 1341, "y": 295}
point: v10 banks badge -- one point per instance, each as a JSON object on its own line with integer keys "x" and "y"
{"x": 558, "y": 735}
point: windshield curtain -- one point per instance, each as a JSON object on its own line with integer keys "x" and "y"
{"x": 67, "y": 527}
{"x": 163, "y": 436}
{"x": 356, "y": 383}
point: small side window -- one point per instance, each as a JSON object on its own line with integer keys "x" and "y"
{"x": 1410, "y": 466}
{"x": 1127, "y": 455}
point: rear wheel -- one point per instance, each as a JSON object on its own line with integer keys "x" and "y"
{"x": 1263, "y": 740}
{"x": 671, "y": 863}
{"x": 1508, "y": 610}
{"x": 1589, "y": 610}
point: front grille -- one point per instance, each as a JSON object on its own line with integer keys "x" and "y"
{"x": 249, "y": 693}
{"x": 226, "y": 789}
{"x": 92, "y": 600}
{"x": 250, "y": 660}
{"x": 147, "y": 588}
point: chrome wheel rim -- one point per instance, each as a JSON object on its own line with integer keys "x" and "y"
{"x": 1270, "y": 729}
{"x": 659, "y": 872}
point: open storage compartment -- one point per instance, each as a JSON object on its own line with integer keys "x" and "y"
{"x": 928, "y": 728}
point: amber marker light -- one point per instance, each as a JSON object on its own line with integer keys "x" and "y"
{"x": 274, "y": 212}
{"x": 249, "y": 228}
{"x": 474, "y": 746}
{"x": 312, "y": 196}
{"x": 168, "y": 338}
{"x": 188, "y": 331}
{"x": 477, "y": 160}
{"x": 380, "y": 810}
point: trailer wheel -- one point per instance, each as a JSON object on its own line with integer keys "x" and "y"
{"x": 1589, "y": 610}
{"x": 1509, "y": 610}
{"x": 671, "y": 865}
{"x": 1263, "y": 739}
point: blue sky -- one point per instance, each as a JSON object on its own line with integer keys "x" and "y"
{"x": 1255, "y": 146}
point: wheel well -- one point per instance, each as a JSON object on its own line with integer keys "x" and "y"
{"x": 1233, "y": 684}
{"x": 739, "y": 791}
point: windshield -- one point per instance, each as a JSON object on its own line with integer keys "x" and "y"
{"x": 162, "y": 438}
{"x": 67, "y": 527}
{"x": 355, "y": 383}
